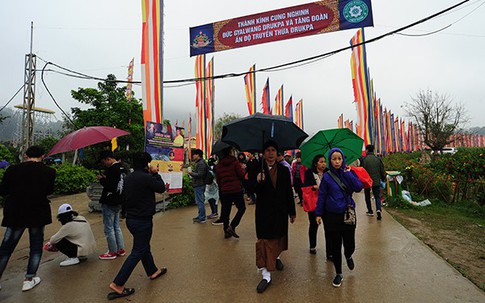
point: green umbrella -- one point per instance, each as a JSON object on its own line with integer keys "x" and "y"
{"x": 324, "y": 140}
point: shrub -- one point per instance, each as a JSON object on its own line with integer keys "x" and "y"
{"x": 186, "y": 197}
{"x": 72, "y": 179}
{"x": 6, "y": 154}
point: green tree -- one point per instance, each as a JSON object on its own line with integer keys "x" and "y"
{"x": 436, "y": 117}
{"x": 221, "y": 121}
{"x": 47, "y": 143}
{"x": 110, "y": 107}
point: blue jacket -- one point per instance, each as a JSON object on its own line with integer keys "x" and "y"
{"x": 330, "y": 197}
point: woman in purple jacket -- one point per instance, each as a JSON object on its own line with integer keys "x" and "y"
{"x": 331, "y": 205}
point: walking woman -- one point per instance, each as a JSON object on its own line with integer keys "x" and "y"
{"x": 334, "y": 193}
{"x": 229, "y": 175}
{"x": 313, "y": 177}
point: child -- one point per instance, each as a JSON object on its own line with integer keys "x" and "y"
{"x": 212, "y": 196}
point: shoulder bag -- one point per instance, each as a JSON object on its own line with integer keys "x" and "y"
{"x": 350, "y": 217}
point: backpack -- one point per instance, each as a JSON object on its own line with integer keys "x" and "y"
{"x": 209, "y": 177}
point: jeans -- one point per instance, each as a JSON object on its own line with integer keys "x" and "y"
{"x": 226, "y": 201}
{"x": 376, "y": 191}
{"x": 199, "y": 200}
{"x": 10, "y": 241}
{"x": 112, "y": 229}
{"x": 141, "y": 229}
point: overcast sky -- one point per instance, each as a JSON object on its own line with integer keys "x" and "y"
{"x": 100, "y": 37}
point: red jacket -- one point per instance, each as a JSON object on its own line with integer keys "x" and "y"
{"x": 229, "y": 175}
{"x": 303, "y": 169}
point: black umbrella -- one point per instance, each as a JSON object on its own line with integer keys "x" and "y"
{"x": 251, "y": 132}
{"x": 218, "y": 147}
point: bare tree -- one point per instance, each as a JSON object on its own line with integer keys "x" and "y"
{"x": 437, "y": 117}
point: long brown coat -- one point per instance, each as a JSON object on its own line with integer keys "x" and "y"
{"x": 274, "y": 205}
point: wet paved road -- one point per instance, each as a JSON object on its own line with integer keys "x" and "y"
{"x": 391, "y": 266}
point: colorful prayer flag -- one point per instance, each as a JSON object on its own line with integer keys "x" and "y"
{"x": 250, "y": 86}
{"x": 152, "y": 60}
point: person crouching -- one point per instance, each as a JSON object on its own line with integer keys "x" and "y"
{"x": 75, "y": 239}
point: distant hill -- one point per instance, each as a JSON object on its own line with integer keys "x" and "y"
{"x": 11, "y": 127}
{"x": 477, "y": 130}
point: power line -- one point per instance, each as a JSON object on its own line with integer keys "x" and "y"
{"x": 12, "y": 97}
{"x": 53, "y": 99}
{"x": 439, "y": 30}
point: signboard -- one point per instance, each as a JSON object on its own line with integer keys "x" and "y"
{"x": 167, "y": 155}
{"x": 281, "y": 24}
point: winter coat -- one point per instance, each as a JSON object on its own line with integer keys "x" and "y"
{"x": 275, "y": 205}
{"x": 139, "y": 191}
{"x": 330, "y": 197}
{"x": 374, "y": 167}
{"x": 302, "y": 168}
{"x": 110, "y": 194}
{"x": 199, "y": 173}
{"x": 229, "y": 175}
{"x": 26, "y": 186}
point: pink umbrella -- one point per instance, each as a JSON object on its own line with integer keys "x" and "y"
{"x": 86, "y": 136}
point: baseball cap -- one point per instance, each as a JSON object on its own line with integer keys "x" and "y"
{"x": 64, "y": 208}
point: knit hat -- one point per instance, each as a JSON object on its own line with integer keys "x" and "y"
{"x": 64, "y": 208}
{"x": 270, "y": 143}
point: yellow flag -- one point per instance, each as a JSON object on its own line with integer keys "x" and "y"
{"x": 114, "y": 144}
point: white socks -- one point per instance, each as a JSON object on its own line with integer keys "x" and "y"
{"x": 266, "y": 274}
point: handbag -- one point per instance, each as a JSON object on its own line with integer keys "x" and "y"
{"x": 310, "y": 198}
{"x": 363, "y": 176}
{"x": 350, "y": 217}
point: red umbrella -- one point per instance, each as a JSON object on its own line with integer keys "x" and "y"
{"x": 86, "y": 136}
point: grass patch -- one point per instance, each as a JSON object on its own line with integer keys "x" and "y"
{"x": 454, "y": 231}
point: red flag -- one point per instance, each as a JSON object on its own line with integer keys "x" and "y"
{"x": 265, "y": 98}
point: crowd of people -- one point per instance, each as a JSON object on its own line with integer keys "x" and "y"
{"x": 269, "y": 180}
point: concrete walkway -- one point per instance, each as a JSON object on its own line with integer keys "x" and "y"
{"x": 391, "y": 266}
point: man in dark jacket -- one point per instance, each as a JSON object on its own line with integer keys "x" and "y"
{"x": 139, "y": 191}
{"x": 198, "y": 183}
{"x": 275, "y": 205}
{"x": 374, "y": 166}
{"x": 26, "y": 187}
{"x": 111, "y": 200}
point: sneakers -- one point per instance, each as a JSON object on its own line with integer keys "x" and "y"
{"x": 121, "y": 253}
{"x": 197, "y": 220}
{"x": 69, "y": 262}
{"x": 218, "y": 222}
{"x": 108, "y": 256}
{"x": 313, "y": 251}
{"x": 379, "y": 216}
{"x": 213, "y": 216}
{"x": 370, "y": 213}
{"x": 30, "y": 283}
{"x": 337, "y": 281}
{"x": 350, "y": 263}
